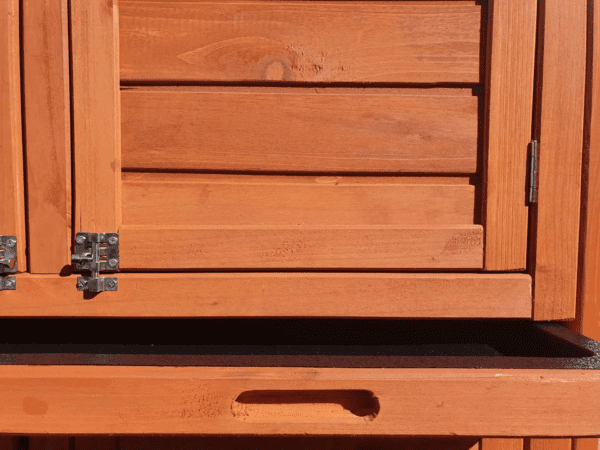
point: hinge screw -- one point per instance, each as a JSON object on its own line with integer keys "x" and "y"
{"x": 111, "y": 284}
{"x": 112, "y": 241}
{"x": 113, "y": 263}
{"x": 81, "y": 284}
{"x": 80, "y": 239}
{"x": 10, "y": 283}
{"x": 11, "y": 242}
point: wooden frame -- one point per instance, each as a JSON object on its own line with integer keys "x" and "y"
{"x": 12, "y": 203}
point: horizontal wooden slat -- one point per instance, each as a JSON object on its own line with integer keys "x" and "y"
{"x": 301, "y": 41}
{"x": 298, "y": 247}
{"x": 199, "y": 400}
{"x": 246, "y": 200}
{"x": 278, "y": 295}
{"x": 303, "y": 130}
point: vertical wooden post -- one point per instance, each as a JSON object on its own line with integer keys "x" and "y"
{"x": 96, "y": 115}
{"x": 501, "y": 444}
{"x": 509, "y": 90}
{"x": 561, "y": 111}
{"x": 48, "y": 133}
{"x": 12, "y": 203}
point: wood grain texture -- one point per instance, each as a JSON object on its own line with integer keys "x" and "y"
{"x": 550, "y": 444}
{"x": 48, "y": 133}
{"x": 296, "y": 443}
{"x": 278, "y": 295}
{"x": 249, "y": 129}
{"x": 301, "y": 247}
{"x": 502, "y": 444}
{"x": 275, "y": 200}
{"x": 561, "y": 142}
{"x": 511, "y": 63}
{"x": 96, "y": 115}
{"x": 421, "y": 42}
{"x": 199, "y": 400}
{"x": 12, "y": 198}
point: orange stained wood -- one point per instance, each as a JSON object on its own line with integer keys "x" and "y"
{"x": 451, "y": 295}
{"x": 200, "y": 400}
{"x": 549, "y": 444}
{"x": 299, "y": 130}
{"x": 420, "y": 42}
{"x": 301, "y": 247}
{"x": 511, "y": 55}
{"x": 48, "y": 133}
{"x": 12, "y": 201}
{"x": 278, "y": 200}
{"x": 561, "y": 141}
{"x": 502, "y": 444}
{"x": 96, "y": 115}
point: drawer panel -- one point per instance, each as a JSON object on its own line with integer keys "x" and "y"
{"x": 404, "y": 41}
{"x": 484, "y": 380}
{"x": 300, "y": 130}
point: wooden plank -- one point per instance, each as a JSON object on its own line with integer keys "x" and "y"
{"x": 417, "y": 42}
{"x": 561, "y": 140}
{"x": 49, "y": 443}
{"x": 585, "y": 444}
{"x": 96, "y": 115}
{"x": 249, "y": 129}
{"x": 48, "y": 133}
{"x": 550, "y": 444}
{"x": 278, "y": 295}
{"x": 248, "y": 200}
{"x": 300, "y": 247}
{"x": 295, "y": 442}
{"x": 502, "y": 444}
{"x": 12, "y": 204}
{"x": 511, "y": 55}
{"x": 202, "y": 400}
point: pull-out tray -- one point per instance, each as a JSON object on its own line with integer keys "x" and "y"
{"x": 274, "y": 376}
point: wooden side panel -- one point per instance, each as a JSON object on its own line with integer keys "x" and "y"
{"x": 202, "y": 400}
{"x": 96, "y": 121}
{"x": 48, "y": 133}
{"x": 550, "y": 444}
{"x": 299, "y": 247}
{"x": 511, "y": 58}
{"x": 252, "y": 200}
{"x": 12, "y": 201}
{"x": 561, "y": 142}
{"x": 278, "y": 295}
{"x": 299, "y": 130}
{"x": 287, "y": 41}
{"x": 502, "y": 444}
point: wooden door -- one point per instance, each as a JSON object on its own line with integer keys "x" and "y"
{"x": 371, "y": 151}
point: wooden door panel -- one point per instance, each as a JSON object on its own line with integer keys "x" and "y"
{"x": 422, "y": 42}
{"x": 299, "y": 130}
{"x": 198, "y": 200}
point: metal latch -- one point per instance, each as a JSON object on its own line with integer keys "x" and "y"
{"x": 96, "y": 252}
{"x": 8, "y": 262}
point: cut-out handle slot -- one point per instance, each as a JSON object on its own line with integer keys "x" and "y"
{"x": 306, "y": 406}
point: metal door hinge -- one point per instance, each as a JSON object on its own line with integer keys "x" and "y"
{"x": 96, "y": 252}
{"x": 8, "y": 262}
{"x": 533, "y": 168}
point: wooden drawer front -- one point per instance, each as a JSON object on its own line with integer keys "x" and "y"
{"x": 410, "y": 386}
{"x": 408, "y": 41}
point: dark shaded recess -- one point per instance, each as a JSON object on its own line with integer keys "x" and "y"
{"x": 355, "y": 343}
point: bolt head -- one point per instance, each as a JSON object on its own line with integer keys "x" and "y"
{"x": 113, "y": 240}
{"x": 80, "y": 239}
{"x": 81, "y": 284}
{"x": 10, "y": 283}
{"x": 113, "y": 263}
{"x": 11, "y": 242}
{"x": 111, "y": 283}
